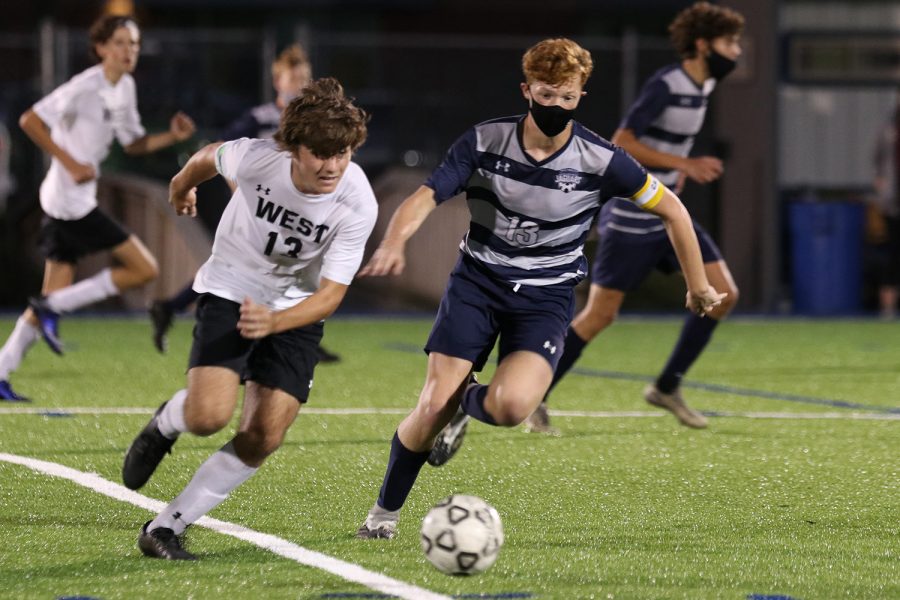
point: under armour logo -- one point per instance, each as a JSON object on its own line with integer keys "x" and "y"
{"x": 550, "y": 347}
{"x": 176, "y": 516}
{"x": 502, "y": 166}
{"x": 260, "y": 188}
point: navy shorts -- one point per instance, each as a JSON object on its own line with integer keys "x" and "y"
{"x": 477, "y": 309}
{"x": 624, "y": 260}
{"x": 68, "y": 241}
{"x": 284, "y": 360}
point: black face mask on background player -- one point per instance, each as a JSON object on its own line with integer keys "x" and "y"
{"x": 719, "y": 65}
{"x": 551, "y": 120}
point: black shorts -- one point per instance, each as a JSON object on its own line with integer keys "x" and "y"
{"x": 283, "y": 360}
{"x": 68, "y": 241}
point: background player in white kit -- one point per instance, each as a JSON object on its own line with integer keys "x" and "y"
{"x": 75, "y": 124}
{"x": 289, "y": 243}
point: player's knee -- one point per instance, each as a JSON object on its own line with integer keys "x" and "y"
{"x": 597, "y": 320}
{"x": 512, "y": 409}
{"x": 728, "y": 302}
{"x": 148, "y": 271}
{"x": 207, "y": 422}
{"x": 253, "y": 446}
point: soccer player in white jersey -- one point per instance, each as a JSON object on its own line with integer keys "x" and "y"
{"x": 534, "y": 183}
{"x": 291, "y": 72}
{"x": 289, "y": 243}
{"x": 76, "y": 124}
{"x": 659, "y": 132}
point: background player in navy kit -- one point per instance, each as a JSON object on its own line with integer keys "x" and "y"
{"x": 534, "y": 184}
{"x": 288, "y": 245}
{"x": 659, "y": 131}
{"x": 291, "y": 72}
{"x": 75, "y": 124}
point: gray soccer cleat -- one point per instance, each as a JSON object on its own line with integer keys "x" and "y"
{"x": 539, "y": 421}
{"x": 674, "y": 403}
{"x": 449, "y": 439}
{"x": 379, "y": 524}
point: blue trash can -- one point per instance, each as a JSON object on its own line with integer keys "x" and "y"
{"x": 826, "y": 250}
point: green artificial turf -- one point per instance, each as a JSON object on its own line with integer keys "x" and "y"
{"x": 618, "y": 507}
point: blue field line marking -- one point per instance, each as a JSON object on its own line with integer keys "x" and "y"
{"x": 770, "y": 597}
{"x": 709, "y": 387}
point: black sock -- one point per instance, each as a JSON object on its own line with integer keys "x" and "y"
{"x": 402, "y": 469}
{"x": 472, "y": 403}
{"x": 572, "y": 349}
{"x": 180, "y": 301}
{"x": 695, "y": 334}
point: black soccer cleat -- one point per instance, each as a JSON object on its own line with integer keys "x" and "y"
{"x": 327, "y": 357}
{"x": 145, "y": 453}
{"x": 49, "y": 323}
{"x": 161, "y": 319}
{"x": 7, "y": 394}
{"x": 162, "y": 543}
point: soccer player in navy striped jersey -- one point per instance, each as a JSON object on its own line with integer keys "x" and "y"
{"x": 659, "y": 132}
{"x": 534, "y": 183}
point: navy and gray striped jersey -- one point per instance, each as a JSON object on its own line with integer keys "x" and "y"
{"x": 529, "y": 218}
{"x": 667, "y": 116}
{"x": 258, "y": 122}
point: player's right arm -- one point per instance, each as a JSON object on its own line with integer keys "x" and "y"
{"x": 389, "y": 258}
{"x": 183, "y": 186}
{"x": 702, "y": 169}
{"x": 36, "y": 129}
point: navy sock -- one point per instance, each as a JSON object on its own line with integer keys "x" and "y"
{"x": 695, "y": 335}
{"x": 472, "y": 403}
{"x": 572, "y": 349}
{"x": 402, "y": 469}
{"x": 180, "y": 301}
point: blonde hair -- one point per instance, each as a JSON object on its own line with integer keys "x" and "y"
{"x": 291, "y": 57}
{"x": 555, "y": 61}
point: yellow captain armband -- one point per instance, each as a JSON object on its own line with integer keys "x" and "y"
{"x": 650, "y": 193}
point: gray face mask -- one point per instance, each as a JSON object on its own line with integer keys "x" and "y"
{"x": 551, "y": 120}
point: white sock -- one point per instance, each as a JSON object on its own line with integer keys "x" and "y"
{"x": 17, "y": 344}
{"x": 87, "y": 291}
{"x": 214, "y": 480}
{"x": 171, "y": 419}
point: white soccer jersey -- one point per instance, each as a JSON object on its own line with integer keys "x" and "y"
{"x": 274, "y": 243}
{"x": 84, "y": 114}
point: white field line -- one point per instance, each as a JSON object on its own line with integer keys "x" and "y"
{"x": 852, "y": 416}
{"x": 310, "y": 558}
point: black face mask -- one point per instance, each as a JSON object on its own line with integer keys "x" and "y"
{"x": 719, "y": 65}
{"x": 551, "y": 120}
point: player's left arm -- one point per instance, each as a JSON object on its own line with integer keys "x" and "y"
{"x": 181, "y": 127}
{"x": 257, "y": 321}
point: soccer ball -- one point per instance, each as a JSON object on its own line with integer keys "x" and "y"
{"x": 462, "y": 535}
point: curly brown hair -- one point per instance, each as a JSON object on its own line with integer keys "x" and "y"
{"x": 703, "y": 21}
{"x": 322, "y": 119}
{"x": 555, "y": 61}
{"x": 104, "y": 28}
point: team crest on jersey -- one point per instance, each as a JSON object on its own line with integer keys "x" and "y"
{"x": 567, "y": 179}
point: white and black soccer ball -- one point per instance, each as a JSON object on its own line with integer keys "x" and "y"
{"x": 462, "y": 535}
